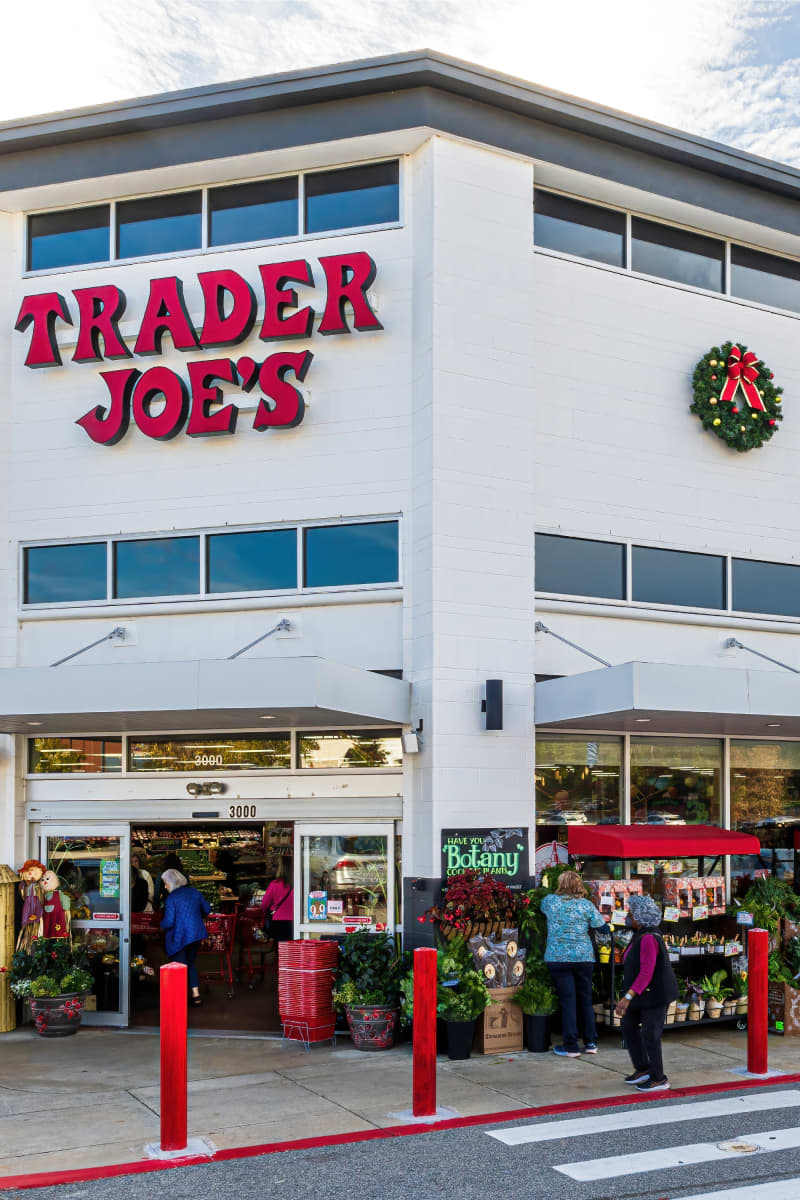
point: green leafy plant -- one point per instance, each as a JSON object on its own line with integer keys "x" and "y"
{"x": 536, "y": 996}
{"x": 51, "y": 963}
{"x": 45, "y": 986}
{"x": 715, "y": 986}
{"x": 76, "y": 980}
{"x": 777, "y": 971}
{"x": 770, "y": 899}
{"x": 791, "y": 954}
{"x": 370, "y": 970}
{"x": 465, "y": 1000}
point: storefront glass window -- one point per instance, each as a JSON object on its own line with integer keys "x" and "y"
{"x": 676, "y": 781}
{"x": 574, "y": 227}
{"x": 350, "y": 749}
{"x": 74, "y": 755}
{"x": 64, "y": 574}
{"x": 577, "y": 781}
{"x": 159, "y": 224}
{"x": 211, "y": 752}
{"x": 765, "y": 801}
{"x": 157, "y": 567}
{"x": 343, "y": 555}
{"x": 351, "y": 197}
{"x": 253, "y": 212}
{"x": 62, "y": 239}
{"x": 89, "y": 871}
{"x": 345, "y": 877}
{"x": 672, "y": 253}
{"x": 579, "y": 567}
{"x": 252, "y": 562}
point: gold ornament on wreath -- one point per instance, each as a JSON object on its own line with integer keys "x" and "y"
{"x": 729, "y": 381}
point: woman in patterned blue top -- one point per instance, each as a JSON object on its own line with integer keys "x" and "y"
{"x": 569, "y": 955}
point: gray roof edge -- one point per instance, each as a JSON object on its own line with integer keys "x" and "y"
{"x": 394, "y": 72}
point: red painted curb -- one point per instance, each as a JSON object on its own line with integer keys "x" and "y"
{"x": 86, "y": 1174}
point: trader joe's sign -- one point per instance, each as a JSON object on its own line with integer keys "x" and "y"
{"x": 158, "y": 399}
{"x": 502, "y": 853}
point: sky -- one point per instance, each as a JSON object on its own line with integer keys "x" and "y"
{"x": 725, "y": 69}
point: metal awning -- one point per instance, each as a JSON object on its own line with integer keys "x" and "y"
{"x": 215, "y": 694}
{"x": 649, "y": 698}
{"x": 663, "y": 841}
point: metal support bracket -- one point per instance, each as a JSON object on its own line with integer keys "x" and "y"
{"x": 734, "y": 644}
{"x": 284, "y": 625}
{"x": 540, "y": 627}
{"x": 117, "y": 635}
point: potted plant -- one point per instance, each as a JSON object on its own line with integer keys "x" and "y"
{"x": 715, "y": 992}
{"x": 682, "y": 1005}
{"x": 740, "y": 990}
{"x": 672, "y": 1009}
{"x": 697, "y": 1002}
{"x": 474, "y": 903}
{"x": 538, "y": 1000}
{"x": 54, "y": 981}
{"x": 459, "y": 1003}
{"x": 367, "y": 986}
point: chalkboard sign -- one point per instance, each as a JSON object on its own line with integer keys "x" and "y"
{"x": 502, "y": 853}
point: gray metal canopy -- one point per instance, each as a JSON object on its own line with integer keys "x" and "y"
{"x": 649, "y": 698}
{"x": 218, "y": 694}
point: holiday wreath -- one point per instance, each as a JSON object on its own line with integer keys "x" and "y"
{"x": 735, "y": 398}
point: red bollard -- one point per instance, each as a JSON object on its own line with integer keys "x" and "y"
{"x": 173, "y": 984}
{"x": 757, "y": 952}
{"x": 424, "y": 1075}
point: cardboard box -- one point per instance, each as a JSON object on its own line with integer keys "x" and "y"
{"x": 783, "y": 1009}
{"x": 500, "y": 1031}
{"x": 686, "y": 894}
{"x": 611, "y": 895}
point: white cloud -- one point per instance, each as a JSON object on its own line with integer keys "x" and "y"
{"x": 722, "y": 68}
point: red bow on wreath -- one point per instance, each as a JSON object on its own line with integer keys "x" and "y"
{"x": 743, "y": 374}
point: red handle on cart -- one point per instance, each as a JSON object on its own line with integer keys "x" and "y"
{"x": 757, "y": 953}
{"x": 424, "y": 1071}
{"x": 173, "y": 981}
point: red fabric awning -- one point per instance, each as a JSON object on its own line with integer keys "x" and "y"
{"x": 658, "y": 841}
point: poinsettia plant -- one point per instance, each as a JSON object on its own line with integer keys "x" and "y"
{"x": 473, "y": 898}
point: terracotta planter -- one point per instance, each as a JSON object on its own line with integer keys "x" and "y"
{"x": 459, "y": 1039}
{"x": 372, "y": 1026}
{"x": 57, "y": 1016}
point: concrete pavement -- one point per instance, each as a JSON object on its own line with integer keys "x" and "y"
{"x": 93, "y": 1099}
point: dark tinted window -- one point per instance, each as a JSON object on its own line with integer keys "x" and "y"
{"x": 675, "y": 254}
{"x": 764, "y": 587}
{"x": 253, "y": 212}
{"x": 57, "y": 574}
{"x": 353, "y": 196}
{"x": 343, "y": 554}
{"x": 560, "y": 223}
{"x": 159, "y": 224}
{"x": 252, "y": 562}
{"x": 63, "y": 239}
{"x": 765, "y": 278}
{"x": 580, "y": 567}
{"x": 674, "y": 577}
{"x": 157, "y": 567}
{"x": 74, "y": 755}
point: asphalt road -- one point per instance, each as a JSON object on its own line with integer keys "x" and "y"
{"x": 470, "y": 1164}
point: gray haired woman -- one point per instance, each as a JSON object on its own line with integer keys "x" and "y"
{"x": 650, "y": 987}
{"x": 183, "y": 924}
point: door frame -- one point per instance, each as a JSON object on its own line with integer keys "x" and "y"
{"x": 43, "y": 830}
{"x": 305, "y": 928}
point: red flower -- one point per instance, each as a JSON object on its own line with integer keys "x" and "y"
{"x": 3, "y": 970}
{"x": 53, "y": 954}
{"x": 421, "y": 920}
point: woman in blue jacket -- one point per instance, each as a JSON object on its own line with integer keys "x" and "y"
{"x": 183, "y": 924}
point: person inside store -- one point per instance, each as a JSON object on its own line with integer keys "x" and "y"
{"x": 650, "y": 987}
{"x": 171, "y": 863}
{"x": 184, "y": 911}
{"x": 140, "y": 899}
{"x": 569, "y": 955}
{"x": 277, "y": 904}
{"x": 137, "y": 864}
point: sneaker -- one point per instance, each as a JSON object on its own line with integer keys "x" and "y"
{"x": 637, "y": 1077}
{"x": 654, "y": 1085}
{"x": 563, "y": 1052}
{"x": 590, "y": 1048}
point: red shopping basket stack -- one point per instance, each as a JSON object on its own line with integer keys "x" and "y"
{"x": 305, "y": 987}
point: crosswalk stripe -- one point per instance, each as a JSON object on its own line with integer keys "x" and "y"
{"x": 647, "y": 1115}
{"x": 676, "y": 1156}
{"x": 781, "y": 1189}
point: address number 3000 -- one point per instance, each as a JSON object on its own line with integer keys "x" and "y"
{"x": 241, "y": 810}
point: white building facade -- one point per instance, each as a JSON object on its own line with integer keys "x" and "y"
{"x": 452, "y": 320}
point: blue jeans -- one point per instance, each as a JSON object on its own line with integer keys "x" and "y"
{"x": 188, "y": 955}
{"x": 573, "y": 982}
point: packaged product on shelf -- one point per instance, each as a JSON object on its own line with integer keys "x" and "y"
{"x": 611, "y": 897}
{"x": 700, "y": 892}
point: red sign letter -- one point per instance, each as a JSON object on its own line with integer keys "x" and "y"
{"x": 277, "y": 298}
{"x": 289, "y": 407}
{"x": 348, "y": 277}
{"x": 99, "y": 310}
{"x": 43, "y": 310}
{"x": 201, "y": 421}
{"x": 219, "y": 329}
{"x": 165, "y": 313}
{"x": 160, "y": 381}
{"x": 109, "y": 426}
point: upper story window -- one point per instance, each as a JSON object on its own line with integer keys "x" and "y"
{"x": 580, "y": 567}
{"x": 766, "y": 587}
{"x": 370, "y": 748}
{"x": 296, "y": 557}
{"x": 677, "y": 577}
{"x": 64, "y": 239}
{"x": 574, "y": 227}
{"x": 235, "y": 214}
{"x": 217, "y": 752}
{"x": 596, "y": 232}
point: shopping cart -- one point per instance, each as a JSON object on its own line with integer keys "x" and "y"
{"x": 254, "y": 946}
{"x": 221, "y": 930}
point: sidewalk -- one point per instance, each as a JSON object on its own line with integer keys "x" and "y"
{"x": 93, "y": 1099}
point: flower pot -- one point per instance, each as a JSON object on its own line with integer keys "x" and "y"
{"x": 728, "y": 1008}
{"x": 741, "y": 1005}
{"x": 696, "y": 1010}
{"x": 713, "y": 1008}
{"x": 57, "y": 1016}
{"x": 536, "y": 1031}
{"x": 604, "y": 953}
{"x": 671, "y": 1010}
{"x": 372, "y": 1026}
{"x": 681, "y": 1011}
{"x": 459, "y": 1038}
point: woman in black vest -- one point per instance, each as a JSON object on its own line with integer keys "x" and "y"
{"x": 650, "y": 986}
